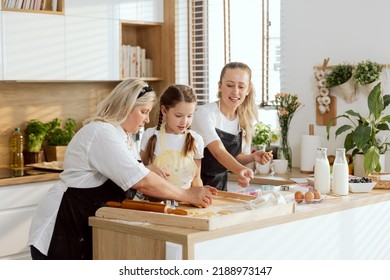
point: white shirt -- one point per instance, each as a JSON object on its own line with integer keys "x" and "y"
{"x": 208, "y": 117}
{"x": 173, "y": 142}
{"x": 97, "y": 152}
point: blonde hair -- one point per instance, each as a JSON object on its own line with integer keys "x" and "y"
{"x": 173, "y": 95}
{"x": 115, "y": 107}
{"x": 247, "y": 112}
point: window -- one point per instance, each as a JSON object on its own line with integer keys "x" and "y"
{"x": 212, "y": 33}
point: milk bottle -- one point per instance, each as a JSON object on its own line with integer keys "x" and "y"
{"x": 322, "y": 171}
{"x": 340, "y": 174}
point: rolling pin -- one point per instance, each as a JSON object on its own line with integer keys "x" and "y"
{"x": 146, "y": 206}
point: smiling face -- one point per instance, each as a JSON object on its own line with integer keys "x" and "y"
{"x": 137, "y": 118}
{"x": 234, "y": 87}
{"x": 179, "y": 117}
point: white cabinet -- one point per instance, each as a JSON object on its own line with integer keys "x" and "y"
{"x": 146, "y": 10}
{"x": 17, "y": 207}
{"x": 133, "y": 10}
{"x": 92, "y": 48}
{"x": 33, "y": 46}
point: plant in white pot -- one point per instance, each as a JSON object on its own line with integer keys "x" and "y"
{"x": 261, "y": 135}
{"x": 367, "y": 74}
{"x": 340, "y": 80}
{"x": 363, "y": 133}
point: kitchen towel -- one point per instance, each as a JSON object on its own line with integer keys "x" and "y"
{"x": 309, "y": 145}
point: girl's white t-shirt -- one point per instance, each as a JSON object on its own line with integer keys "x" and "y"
{"x": 173, "y": 142}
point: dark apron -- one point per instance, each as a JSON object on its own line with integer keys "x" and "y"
{"x": 72, "y": 236}
{"x": 212, "y": 172}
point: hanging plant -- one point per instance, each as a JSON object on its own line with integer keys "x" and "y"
{"x": 366, "y": 72}
{"x": 340, "y": 74}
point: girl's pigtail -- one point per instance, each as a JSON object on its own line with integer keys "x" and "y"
{"x": 189, "y": 145}
{"x": 151, "y": 146}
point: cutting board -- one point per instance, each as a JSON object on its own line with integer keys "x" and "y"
{"x": 323, "y": 119}
{"x": 226, "y": 210}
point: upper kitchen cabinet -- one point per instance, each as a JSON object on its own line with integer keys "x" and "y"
{"x": 134, "y": 10}
{"x": 34, "y": 6}
{"x": 142, "y": 10}
{"x": 33, "y": 46}
{"x": 92, "y": 48}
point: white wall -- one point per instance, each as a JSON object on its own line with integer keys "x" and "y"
{"x": 343, "y": 30}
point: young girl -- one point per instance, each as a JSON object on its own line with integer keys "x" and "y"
{"x": 170, "y": 149}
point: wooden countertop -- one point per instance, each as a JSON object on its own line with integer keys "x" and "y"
{"x": 276, "y": 179}
{"x": 33, "y": 175}
{"x": 192, "y": 236}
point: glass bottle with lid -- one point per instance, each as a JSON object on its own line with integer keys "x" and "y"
{"x": 340, "y": 173}
{"x": 322, "y": 171}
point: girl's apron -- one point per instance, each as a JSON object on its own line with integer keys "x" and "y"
{"x": 72, "y": 236}
{"x": 212, "y": 172}
{"x": 182, "y": 168}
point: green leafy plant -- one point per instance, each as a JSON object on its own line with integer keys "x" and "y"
{"x": 262, "y": 134}
{"x": 35, "y": 133}
{"x": 57, "y": 136}
{"x": 363, "y": 132}
{"x": 366, "y": 72}
{"x": 339, "y": 75}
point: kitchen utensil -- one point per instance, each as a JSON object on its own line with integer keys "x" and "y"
{"x": 146, "y": 206}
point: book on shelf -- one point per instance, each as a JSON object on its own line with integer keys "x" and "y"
{"x": 134, "y": 62}
{"x": 54, "y": 5}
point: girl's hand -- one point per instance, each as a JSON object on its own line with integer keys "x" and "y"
{"x": 244, "y": 176}
{"x": 162, "y": 172}
{"x": 262, "y": 157}
{"x": 200, "y": 196}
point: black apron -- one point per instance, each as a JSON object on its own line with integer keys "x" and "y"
{"x": 212, "y": 172}
{"x": 72, "y": 236}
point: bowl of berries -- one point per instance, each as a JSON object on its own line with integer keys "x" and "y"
{"x": 361, "y": 184}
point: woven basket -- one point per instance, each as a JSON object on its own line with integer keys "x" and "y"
{"x": 375, "y": 176}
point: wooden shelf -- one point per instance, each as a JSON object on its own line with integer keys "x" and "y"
{"x": 45, "y": 7}
{"x": 147, "y": 36}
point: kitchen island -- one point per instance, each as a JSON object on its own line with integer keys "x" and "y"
{"x": 353, "y": 227}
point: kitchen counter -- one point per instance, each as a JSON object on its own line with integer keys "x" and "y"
{"x": 277, "y": 179}
{"x": 351, "y": 227}
{"x": 31, "y": 176}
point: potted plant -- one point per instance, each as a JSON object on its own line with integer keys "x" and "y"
{"x": 338, "y": 75}
{"x": 35, "y": 133}
{"x": 58, "y": 138}
{"x": 261, "y": 136}
{"x": 363, "y": 133}
{"x": 340, "y": 81}
{"x": 366, "y": 74}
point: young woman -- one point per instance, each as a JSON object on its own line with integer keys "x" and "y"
{"x": 226, "y": 127}
{"x": 171, "y": 149}
{"x": 101, "y": 165}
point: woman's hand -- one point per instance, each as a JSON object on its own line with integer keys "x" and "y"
{"x": 262, "y": 157}
{"x": 244, "y": 176}
{"x": 162, "y": 172}
{"x": 201, "y": 196}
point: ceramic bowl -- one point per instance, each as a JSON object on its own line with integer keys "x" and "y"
{"x": 361, "y": 187}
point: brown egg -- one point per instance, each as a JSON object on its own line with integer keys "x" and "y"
{"x": 309, "y": 196}
{"x": 317, "y": 194}
{"x": 298, "y": 196}
{"x": 331, "y": 159}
